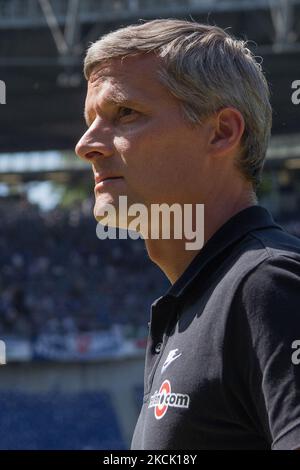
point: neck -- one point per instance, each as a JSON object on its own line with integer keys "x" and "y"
{"x": 172, "y": 256}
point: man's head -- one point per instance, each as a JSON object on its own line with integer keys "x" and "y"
{"x": 179, "y": 110}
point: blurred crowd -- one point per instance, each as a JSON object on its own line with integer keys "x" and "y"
{"x": 56, "y": 276}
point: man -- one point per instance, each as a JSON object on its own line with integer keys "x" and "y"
{"x": 179, "y": 112}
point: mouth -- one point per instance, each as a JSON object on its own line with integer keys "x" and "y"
{"x": 101, "y": 182}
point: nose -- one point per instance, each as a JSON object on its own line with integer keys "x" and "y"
{"x": 94, "y": 143}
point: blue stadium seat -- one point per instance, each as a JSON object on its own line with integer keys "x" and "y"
{"x": 58, "y": 421}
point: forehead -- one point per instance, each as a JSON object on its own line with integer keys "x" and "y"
{"x": 132, "y": 78}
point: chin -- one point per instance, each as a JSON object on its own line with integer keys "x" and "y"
{"x": 107, "y": 213}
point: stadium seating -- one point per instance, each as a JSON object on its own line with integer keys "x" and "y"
{"x": 56, "y": 276}
{"x": 83, "y": 421}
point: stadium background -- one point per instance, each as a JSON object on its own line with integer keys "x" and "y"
{"x": 73, "y": 313}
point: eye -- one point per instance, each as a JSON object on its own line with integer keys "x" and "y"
{"x": 125, "y": 112}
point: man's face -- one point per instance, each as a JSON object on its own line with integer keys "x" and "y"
{"x": 137, "y": 132}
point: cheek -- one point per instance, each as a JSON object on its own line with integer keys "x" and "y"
{"x": 137, "y": 150}
{"x": 156, "y": 141}
{"x": 145, "y": 158}
{"x": 157, "y": 159}
{"x": 123, "y": 146}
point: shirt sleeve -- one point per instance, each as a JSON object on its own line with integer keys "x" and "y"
{"x": 264, "y": 333}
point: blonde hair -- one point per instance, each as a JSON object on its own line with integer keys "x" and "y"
{"x": 206, "y": 69}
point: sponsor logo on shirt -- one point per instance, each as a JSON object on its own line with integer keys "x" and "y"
{"x": 161, "y": 400}
{"x": 172, "y": 356}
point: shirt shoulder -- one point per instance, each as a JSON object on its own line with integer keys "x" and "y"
{"x": 268, "y": 292}
{"x": 264, "y": 259}
{"x": 263, "y": 325}
{"x": 276, "y": 241}
{"x": 276, "y": 275}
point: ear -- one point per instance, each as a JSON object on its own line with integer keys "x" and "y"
{"x": 227, "y": 130}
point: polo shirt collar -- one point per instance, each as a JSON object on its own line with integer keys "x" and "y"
{"x": 249, "y": 219}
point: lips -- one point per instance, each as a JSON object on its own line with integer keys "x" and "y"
{"x": 102, "y": 181}
{"x": 100, "y": 178}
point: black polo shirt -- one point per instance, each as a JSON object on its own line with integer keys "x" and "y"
{"x": 219, "y": 372}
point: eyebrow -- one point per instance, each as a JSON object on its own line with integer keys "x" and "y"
{"x": 117, "y": 100}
